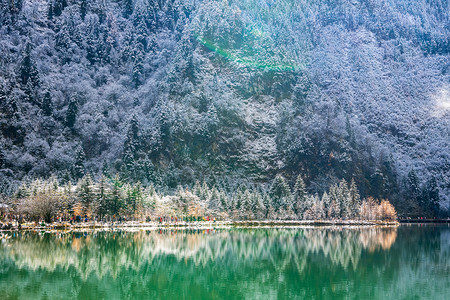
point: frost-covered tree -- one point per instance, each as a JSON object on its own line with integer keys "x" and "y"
{"x": 78, "y": 169}
{"x": 299, "y": 196}
{"x": 71, "y": 113}
{"x": 280, "y": 193}
{"x": 28, "y": 71}
{"x": 355, "y": 200}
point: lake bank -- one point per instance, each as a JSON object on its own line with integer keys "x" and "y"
{"x": 182, "y": 225}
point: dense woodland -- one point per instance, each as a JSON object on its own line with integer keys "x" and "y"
{"x": 111, "y": 200}
{"x": 154, "y": 94}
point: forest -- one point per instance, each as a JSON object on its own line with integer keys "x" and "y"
{"x": 223, "y": 104}
{"x": 111, "y": 200}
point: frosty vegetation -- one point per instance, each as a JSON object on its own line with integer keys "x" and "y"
{"x": 231, "y": 93}
{"x": 112, "y": 200}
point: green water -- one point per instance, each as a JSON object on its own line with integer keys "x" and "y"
{"x": 408, "y": 262}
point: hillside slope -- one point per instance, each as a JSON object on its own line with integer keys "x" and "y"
{"x": 231, "y": 92}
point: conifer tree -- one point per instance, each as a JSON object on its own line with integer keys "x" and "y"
{"x": 430, "y": 198}
{"x": 299, "y": 196}
{"x": 50, "y": 11}
{"x": 78, "y": 169}
{"x": 128, "y": 8}
{"x": 214, "y": 203}
{"x": 72, "y": 111}
{"x": 344, "y": 199}
{"x": 116, "y": 197}
{"x": 85, "y": 192}
{"x": 28, "y": 71}
{"x": 102, "y": 197}
{"x": 83, "y": 9}
{"x": 280, "y": 193}
{"x": 355, "y": 199}
{"x": 47, "y": 106}
{"x": 334, "y": 210}
{"x": 197, "y": 189}
{"x": 246, "y": 208}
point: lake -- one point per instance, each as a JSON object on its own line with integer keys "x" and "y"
{"x": 405, "y": 262}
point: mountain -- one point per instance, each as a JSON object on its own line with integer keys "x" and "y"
{"x": 230, "y": 92}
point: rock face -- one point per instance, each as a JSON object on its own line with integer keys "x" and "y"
{"x": 230, "y": 92}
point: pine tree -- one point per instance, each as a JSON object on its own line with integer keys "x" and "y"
{"x": 197, "y": 189}
{"x": 334, "y": 211}
{"x": 246, "y": 209}
{"x": 280, "y": 193}
{"x": 138, "y": 69}
{"x": 128, "y": 8}
{"x": 257, "y": 204}
{"x": 355, "y": 200}
{"x": 78, "y": 169}
{"x": 267, "y": 204}
{"x": 132, "y": 149}
{"x": 85, "y": 192}
{"x": 299, "y": 196}
{"x": 214, "y": 204}
{"x": 204, "y": 193}
{"x": 224, "y": 200}
{"x": 102, "y": 197}
{"x": 47, "y": 106}
{"x": 344, "y": 199}
{"x": 50, "y": 11}
{"x": 326, "y": 203}
{"x": 83, "y": 9}
{"x": 116, "y": 197}
{"x": 28, "y": 71}
{"x": 430, "y": 198}
{"x": 71, "y": 113}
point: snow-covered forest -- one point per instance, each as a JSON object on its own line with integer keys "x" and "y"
{"x": 167, "y": 93}
{"x": 114, "y": 200}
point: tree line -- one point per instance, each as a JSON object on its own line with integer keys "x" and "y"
{"x": 111, "y": 199}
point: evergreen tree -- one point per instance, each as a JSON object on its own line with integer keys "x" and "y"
{"x": 267, "y": 204}
{"x": 78, "y": 169}
{"x": 83, "y": 9}
{"x": 224, "y": 200}
{"x": 214, "y": 203}
{"x": 138, "y": 69}
{"x": 197, "y": 189}
{"x": 132, "y": 149}
{"x": 128, "y": 8}
{"x": 413, "y": 190}
{"x": 102, "y": 197}
{"x": 246, "y": 212}
{"x": 334, "y": 211}
{"x": 116, "y": 197}
{"x": 299, "y": 196}
{"x": 430, "y": 198}
{"x": 355, "y": 200}
{"x": 344, "y": 199}
{"x": 280, "y": 193}
{"x": 28, "y": 71}
{"x": 50, "y": 11}
{"x": 257, "y": 204}
{"x": 85, "y": 192}
{"x": 326, "y": 203}
{"x": 204, "y": 192}
{"x": 71, "y": 113}
{"x": 47, "y": 106}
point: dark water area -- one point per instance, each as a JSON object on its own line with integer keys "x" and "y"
{"x": 405, "y": 262}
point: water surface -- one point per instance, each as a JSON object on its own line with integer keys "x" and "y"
{"x": 408, "y": 262}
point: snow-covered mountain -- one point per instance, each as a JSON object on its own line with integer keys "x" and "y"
{"x": 231, "y": 92}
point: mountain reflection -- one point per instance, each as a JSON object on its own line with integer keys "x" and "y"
{"x": 108, "y": 253}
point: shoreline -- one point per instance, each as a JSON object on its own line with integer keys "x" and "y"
{"x": 133, "y": 225}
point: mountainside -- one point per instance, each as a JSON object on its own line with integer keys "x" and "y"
{"x": 230, "y": 92}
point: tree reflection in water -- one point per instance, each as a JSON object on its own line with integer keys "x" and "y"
{"x": 237, "y": 263}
